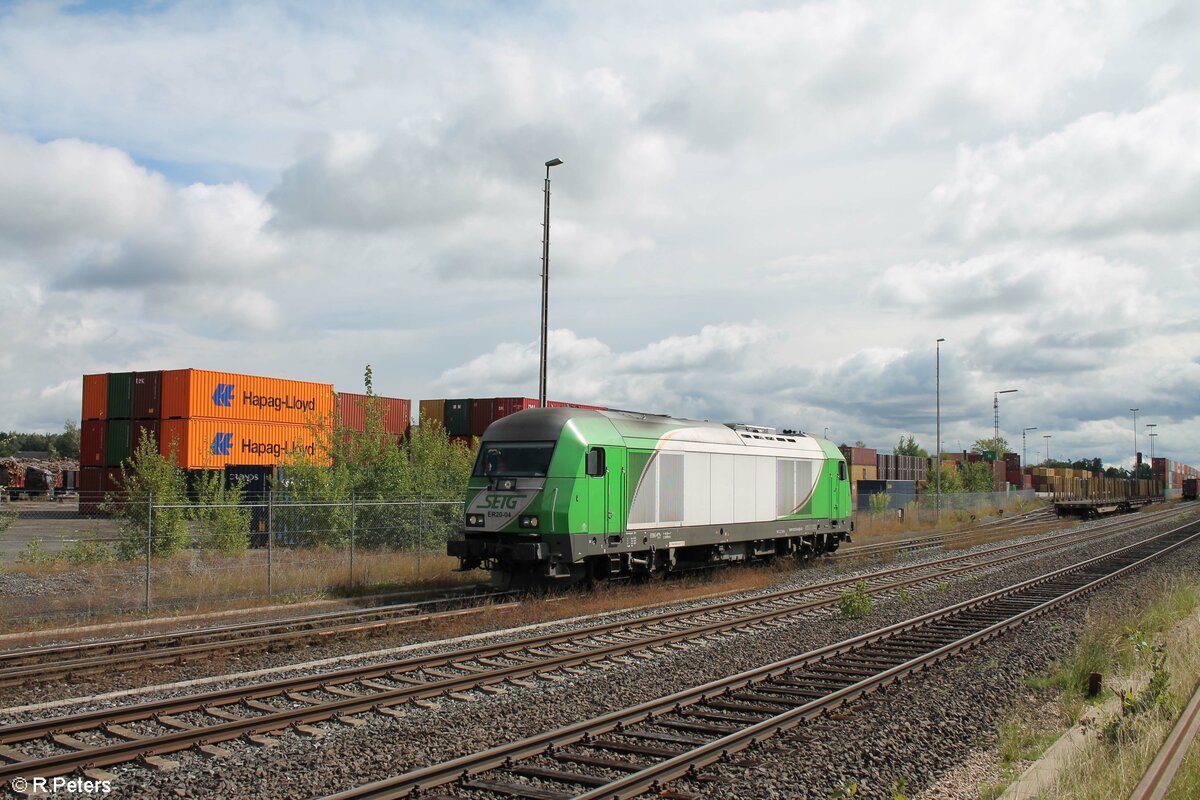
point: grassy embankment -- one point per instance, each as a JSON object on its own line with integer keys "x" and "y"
{"x": 1150, "y": 663}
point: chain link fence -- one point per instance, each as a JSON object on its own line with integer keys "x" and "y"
{"x": 881, "y": 510}
{"x": 59, "y": 563}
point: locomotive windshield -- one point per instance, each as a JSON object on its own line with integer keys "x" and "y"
{"x": 513, "y": 459}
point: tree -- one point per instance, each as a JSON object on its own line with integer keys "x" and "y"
{"x": 977, "y": 476}
{"x": 999, "y": 446}
{"x": 368, "y": 468}
{"x": 860, "y": 443}
{"x": 909, "y": 447}
{"x": 66, "y": 444}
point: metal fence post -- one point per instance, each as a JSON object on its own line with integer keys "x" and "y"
{"x": 352, "y": 523}
{"x": 420, "y": 532}
{"x": 270, "y": 543}
{"x": 149, "y": 541}
{"x": 270, "y": 565}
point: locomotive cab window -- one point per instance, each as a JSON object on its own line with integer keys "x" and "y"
{"x": 513, "y": 459}
{"x": 841, "y": 470}
{"x": 595, "y": 462}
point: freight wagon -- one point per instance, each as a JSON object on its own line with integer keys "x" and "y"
{"x": 562, "y": 495}
{"x": 1189, "y": 488}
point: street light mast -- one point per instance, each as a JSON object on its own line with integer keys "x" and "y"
{"x": 937, "y": 446}
{"x": 554, "y": 162}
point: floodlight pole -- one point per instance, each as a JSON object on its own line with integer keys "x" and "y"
{"x": 554, "y": 162}
{"x": 996, "y": 414}
{"x": 937, "y": 373}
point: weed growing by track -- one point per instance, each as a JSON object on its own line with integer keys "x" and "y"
{"x": 856, "y": 603}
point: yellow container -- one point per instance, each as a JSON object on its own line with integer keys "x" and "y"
{"x": 432, "y": 411}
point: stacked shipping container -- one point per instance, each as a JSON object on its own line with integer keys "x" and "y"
{"x": 215, "y": 419}
{"x": 396, "y": 414}
{"x": 465, "y": 418}
{"x": 200, "y": 419}
{"x": 118, "y": 409}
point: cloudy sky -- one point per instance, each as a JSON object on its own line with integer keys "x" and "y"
{"x": 768, "y": 212}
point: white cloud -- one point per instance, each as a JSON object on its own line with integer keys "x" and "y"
{"x": 738, "y": 231}
{"x": 57, "y": 195}
{"x": 1053, "y": 286}
{"x": 1102, "y": 175}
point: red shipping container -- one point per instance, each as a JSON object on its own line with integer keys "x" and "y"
{"x": 112, "y": 482}
{"x": 91, "y": 443}
{"x": 95, "y": 396}
{"x": 483, "y": 413}
{"x": 147, "y": 395}
{"x": 91, "y": 489}
{"x": 397, "y": 412}
{"x": 511, "y": 405}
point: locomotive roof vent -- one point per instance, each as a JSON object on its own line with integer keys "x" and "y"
{"x": 759, "y": 429}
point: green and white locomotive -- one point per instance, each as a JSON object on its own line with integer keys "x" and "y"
{"x": 560, "y": 495}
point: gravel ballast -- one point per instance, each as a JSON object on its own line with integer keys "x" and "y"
{"x": 917, "y": 731}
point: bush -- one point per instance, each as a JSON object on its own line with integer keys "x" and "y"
{"x": 879, "y": 502}
{"x": 34, "y": 554}
{"x": 856, "y": 603}
{"x": 223, "y": 524}
{"x": 150, "y": 476}
{"x": 88, "y": 551}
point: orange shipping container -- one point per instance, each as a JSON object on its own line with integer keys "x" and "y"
{"x": 95, "y": 396}
{"x": 201, "y": 393}
{"x": 214, "y": 443}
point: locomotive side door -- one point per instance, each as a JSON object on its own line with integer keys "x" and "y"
{"x": 600, "y": 506}
{"x": 839, "y": 485}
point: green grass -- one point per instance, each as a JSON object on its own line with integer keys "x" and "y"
{"x": 1155, "y": 656}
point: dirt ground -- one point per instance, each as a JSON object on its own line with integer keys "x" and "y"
{"x": 56, "y": 523}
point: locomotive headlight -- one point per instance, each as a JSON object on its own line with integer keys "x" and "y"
{"x": 474, "y": 520}
{"x": 528, "y": 521}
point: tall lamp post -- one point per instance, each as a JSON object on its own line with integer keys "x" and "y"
{"x": 1047, "y": 437}
{"x": 1023, "y": 432}
{"x": 554, "y": 162}
{"x": 996, "y": 414}
{"x": 1152, "y": 434}
{"x": 1135, "y": 464}
{"x": 937, "y": 446}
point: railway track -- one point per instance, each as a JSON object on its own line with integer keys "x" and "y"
{"x": 61, "y": 745}
{"x": 1027, "y": 522}
{"x": 1162, "y": 770}
{"x": 23, "y": 666}
{"x": 61, "y": 660}
{"x": 643, "y": 748}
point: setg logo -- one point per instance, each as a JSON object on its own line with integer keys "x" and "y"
{"x": 502, "y": 501}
